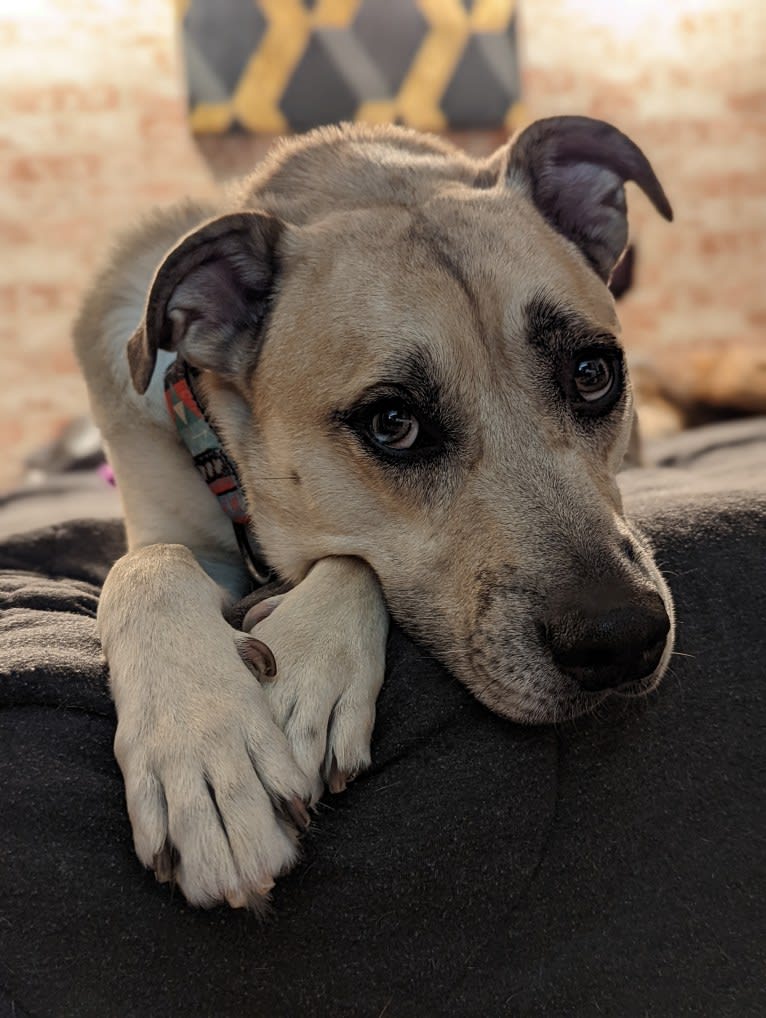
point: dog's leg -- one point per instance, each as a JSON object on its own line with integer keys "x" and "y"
{"x": 212, "y": 782}
{"x": 201, "y": 756}
{"x": 329, "y": 721}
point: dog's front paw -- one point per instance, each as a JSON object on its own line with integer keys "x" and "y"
{"x": 214, "y": 793}
{"x": 328, "y": 636}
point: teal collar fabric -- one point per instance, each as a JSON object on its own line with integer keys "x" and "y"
{"x": 214, "y": 464}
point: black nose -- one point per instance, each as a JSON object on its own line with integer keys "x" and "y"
{"x": 612, "y": 646}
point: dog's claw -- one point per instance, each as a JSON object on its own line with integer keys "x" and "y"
{"x": 255, "y": 652}
{"x": 239, "y": 900}
{"x": 258, "y": 901}
{"x": 296, "y": 810}
{"x": 336, "y": 779}
{"x": 164, "y": 864}
{"x": 255, "y": 899}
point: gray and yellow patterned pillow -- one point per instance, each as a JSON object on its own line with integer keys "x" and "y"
{"x": 279, "y": 65}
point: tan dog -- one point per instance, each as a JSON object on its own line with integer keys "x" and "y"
{"x": 412, "y": 357}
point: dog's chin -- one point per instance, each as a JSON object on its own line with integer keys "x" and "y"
{"x": 545, "y": 708}
{"x": 555, "y": 699}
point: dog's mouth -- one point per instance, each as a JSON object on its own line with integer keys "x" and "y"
{"x": 534, "y": 677}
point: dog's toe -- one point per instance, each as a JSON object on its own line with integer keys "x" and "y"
{"x": 164, "y": 863}
{"x": 348, "y": 742}
{"x": 336, "y": 779}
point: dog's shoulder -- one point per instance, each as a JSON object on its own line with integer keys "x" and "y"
{"x": 164, "y": 497}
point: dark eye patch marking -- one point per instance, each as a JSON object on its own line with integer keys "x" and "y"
{"x": 428, "y": 471}
{"x": 562, "y": 337}
{"x": 552, "y": 328}
{"x": 412, "y": 375}
{"x": 410, "y": 381}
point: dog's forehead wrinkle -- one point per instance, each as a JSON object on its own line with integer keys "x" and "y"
{"x": 437, "y": 244}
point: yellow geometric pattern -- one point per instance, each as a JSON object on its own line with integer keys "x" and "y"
{"x": 446, "y": 27}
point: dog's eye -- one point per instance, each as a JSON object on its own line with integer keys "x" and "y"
{"x": 594, "y": 381}
{"x": 394, "y": 427}
{"x": 593, "y": 378}
{"x": 397, "y": 430}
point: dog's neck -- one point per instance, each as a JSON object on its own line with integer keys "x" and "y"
{"x": 216, "y": 467}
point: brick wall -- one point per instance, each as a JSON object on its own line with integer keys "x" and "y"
{"x": 93, "y": 130}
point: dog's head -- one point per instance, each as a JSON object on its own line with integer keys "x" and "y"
{"x": 414, "y": 359}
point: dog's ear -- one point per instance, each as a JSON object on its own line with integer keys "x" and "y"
{"x": 574, "y": 169}
{"x": 621, "y": 279}
{"x": 209, "y": 298}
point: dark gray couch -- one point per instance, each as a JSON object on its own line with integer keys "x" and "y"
{"x": 612, "y": 866}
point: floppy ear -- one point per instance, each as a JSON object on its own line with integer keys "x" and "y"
{"x": 209, "y": 297}
{"x": 574, "y": 170}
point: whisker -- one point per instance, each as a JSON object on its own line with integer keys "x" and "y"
{"x": 671, "y": 675}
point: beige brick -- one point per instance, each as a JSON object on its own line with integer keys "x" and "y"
{"x": 93, "y": 130}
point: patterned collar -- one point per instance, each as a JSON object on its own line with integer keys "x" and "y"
{"x": 217, "y": 469}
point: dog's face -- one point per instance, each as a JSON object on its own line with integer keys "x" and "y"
{"x": 439, "y": 390}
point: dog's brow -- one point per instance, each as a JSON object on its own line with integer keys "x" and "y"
{"x": 415, "y": 372}
{"x": 548, "y": 323}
